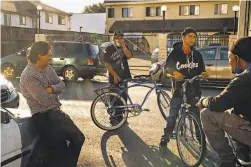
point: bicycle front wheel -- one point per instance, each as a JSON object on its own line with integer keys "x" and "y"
{"x": 163, "y": 100}
{"x": 105, "y": 112}
{"x": 190, "y": 140}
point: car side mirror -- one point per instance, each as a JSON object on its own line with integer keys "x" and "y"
{"x": 5, "y": 118}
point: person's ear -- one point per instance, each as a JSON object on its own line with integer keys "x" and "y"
{"x": 39, "y": 57}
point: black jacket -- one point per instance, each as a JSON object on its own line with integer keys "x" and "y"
{"x": 189, "y": 66}
{"x": 236, "y": 95}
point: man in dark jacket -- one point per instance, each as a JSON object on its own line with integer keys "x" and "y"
{"x": 183, "y": 62}
{"x": 237, "y": 95}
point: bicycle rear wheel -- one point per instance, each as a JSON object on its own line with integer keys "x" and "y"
{"x": 163, "y": 100}
{"x": 104, "y": 106}
{"x": 190, "y": 140}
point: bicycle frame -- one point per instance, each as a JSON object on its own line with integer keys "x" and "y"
{"x": 185, "y": 106}
{"x": 131, "y": 104}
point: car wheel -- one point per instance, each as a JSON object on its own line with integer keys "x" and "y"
{"x": 166, "y": 82}
{"x": 70, "y": 73}
{"x": 8, "y": 71}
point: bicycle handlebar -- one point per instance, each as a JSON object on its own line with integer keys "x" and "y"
{"x": 188, "y": 80}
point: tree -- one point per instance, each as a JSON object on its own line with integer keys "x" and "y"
{"x": 95, "y": 8}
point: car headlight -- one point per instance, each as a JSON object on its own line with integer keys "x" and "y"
{"x": 10, "y": 86}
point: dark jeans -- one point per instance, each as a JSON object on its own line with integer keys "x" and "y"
{"x": 118, "y": 102}
{"x": 55, "y": 127}
{"x": 175, "y": 106}
{"x": 215, "y": 124}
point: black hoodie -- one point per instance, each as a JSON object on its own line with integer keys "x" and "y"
{"x": 189, "y": 66}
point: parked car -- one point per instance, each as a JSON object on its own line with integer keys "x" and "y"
{"x": 16, "y": 136}
{"x": 20, "y": 143}
{"x": 70, "y": 60}
{"x": 216, "y": 62}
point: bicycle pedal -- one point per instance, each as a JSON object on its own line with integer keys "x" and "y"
{"x": 146, "y": 110}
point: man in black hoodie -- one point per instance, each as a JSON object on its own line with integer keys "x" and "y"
{"x": 236, "y": 95}
{"x": 183, "y": 62}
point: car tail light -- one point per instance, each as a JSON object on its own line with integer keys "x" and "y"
{"x": 90, "y": 61}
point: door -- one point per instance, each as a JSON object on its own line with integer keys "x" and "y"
{"x": 209, "y": 57}
{"x": 223, "y": 69}
{"x": 11, "y": 144}
{"x": 59, "y": 56}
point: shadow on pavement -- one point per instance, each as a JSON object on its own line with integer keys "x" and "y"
{"x": 136, "y": 153}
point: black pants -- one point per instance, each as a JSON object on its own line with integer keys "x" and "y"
{"x": 118, "y": 102}
{"x": 55, "y": 128}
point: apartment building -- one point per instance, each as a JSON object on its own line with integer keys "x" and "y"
{"x": 146, "y": 18}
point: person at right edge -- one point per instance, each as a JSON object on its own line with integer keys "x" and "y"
{"x": 183, "y": 62}
{"x": 215, "y": 118}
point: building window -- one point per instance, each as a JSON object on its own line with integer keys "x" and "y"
{"x": 110, "y": 12}
{"x": 153, "y": 11}
{"x": 126, "y": 12}
{"x": 158, "y": 11}
{"x": 61, "y": 20}
{"x": 184, "y": 10}
{"x": 220, "y": 8}
{"x": 22, "y": 20}
{"x": 7, "y": 19}
{"x": 192, "y": 10}
{"x": 48, "y": 17}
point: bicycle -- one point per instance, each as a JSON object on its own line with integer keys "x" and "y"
{"x": 111, "y": 97}
{"x": 184, "y": 134}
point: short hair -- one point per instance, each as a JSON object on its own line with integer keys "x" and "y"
{"x": 118, "y": 33}
{"x": 241, "y": 48}
{"x": 38, "y": 48}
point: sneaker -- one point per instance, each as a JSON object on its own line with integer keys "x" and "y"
{"x": 116, "y": 120}
{"x": 163, "y": 146}
{"x": 243, "y": 157}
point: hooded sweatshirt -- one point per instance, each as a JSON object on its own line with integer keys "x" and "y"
{"x": 188, "y": 65}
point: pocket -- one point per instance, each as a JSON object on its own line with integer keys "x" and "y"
{"x": 245, "y": 125}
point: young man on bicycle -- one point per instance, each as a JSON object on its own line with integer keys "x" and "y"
{"x": 237, "y": 95}
{"x": 115, "y": 58}
{"x": 183, "y": 62}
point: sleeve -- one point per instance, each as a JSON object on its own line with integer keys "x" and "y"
{"x": 107, "y": 55}
{"x": 58, "y": 85}
{"x": 127, "y": 47}
{"x": 201, "y": 64}
{"x": 229, "y": 97}
{"x": 170, "y": 63}
{"x": 36, "y": 90}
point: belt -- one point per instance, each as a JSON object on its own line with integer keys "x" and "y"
{"x": 43, "y": 112}
{"x": 56, "y": 109}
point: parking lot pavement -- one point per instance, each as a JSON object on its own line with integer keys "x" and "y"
{"x": 134, "y": 145}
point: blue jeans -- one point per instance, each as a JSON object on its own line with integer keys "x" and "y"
{"x": 173, "y": 115}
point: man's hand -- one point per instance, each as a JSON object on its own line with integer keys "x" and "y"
{"x": 49, "y": 90}
{"x": 199, "y": 106}
{"x": 121, "y": 42}
{"x": 205, "y": 75}
{"x": 116, "y": 79}
{"x": 178, "y": 76}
